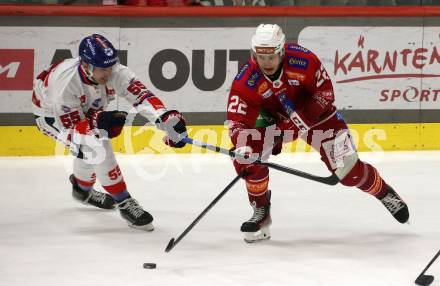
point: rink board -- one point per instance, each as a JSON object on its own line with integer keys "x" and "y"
{"x": 389, "y": 91}
{"x": 28, "y": 141}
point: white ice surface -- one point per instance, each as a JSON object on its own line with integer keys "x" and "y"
{"x": 321, "y": 235}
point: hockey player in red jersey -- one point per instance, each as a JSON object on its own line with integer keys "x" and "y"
{"x": 284, "y": 91}
{"x": 70, "y": 100}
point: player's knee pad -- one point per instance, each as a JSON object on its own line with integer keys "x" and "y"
{"x": 253, "y": 171}
{"x": 339, "y": 154}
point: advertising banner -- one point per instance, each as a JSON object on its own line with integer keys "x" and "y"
{"x": 379, "y": 67}
{"x": 16, "y": 69}
{"x": 189, "y": 68}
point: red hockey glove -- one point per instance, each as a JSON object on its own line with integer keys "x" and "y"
{"x": 173, "y": 123}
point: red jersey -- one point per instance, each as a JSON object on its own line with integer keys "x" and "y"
{"x": 303, "y": 92}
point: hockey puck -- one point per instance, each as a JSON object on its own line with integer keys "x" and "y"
{"x": 149, "y": 265}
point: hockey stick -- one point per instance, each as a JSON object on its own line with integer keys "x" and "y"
{"x": 423, "y": 279}
{"x": 173, "y": 242}
{"x": 331, "y": 180}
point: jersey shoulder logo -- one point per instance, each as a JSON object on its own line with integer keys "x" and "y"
{"x": 298, "y": 62}
{"x": 253, "y": 79}
{"x": 242, "y": 71}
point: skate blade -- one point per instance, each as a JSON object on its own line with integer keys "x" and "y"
{"x": 262, "y": 234}
{"x": 147, "y": 227}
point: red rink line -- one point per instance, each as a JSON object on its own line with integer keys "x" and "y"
{"x": 294, "y": 11}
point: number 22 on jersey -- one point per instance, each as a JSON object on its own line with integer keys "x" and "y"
{"x": 236, "y": 105}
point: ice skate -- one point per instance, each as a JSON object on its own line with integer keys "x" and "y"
{"x": 136, "y": 217}
{"x": 396, "y": 206}
{"x": 92, "y": 197}
{"x": 257, "y": 227}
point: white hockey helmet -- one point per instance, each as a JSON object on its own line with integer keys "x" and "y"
{"x": 268, "y": 39}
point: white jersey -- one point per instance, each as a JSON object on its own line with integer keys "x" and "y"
{"x": 65, "y": 93}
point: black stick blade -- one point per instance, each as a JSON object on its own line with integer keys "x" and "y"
{"x": 424, "y": 280}
{"x": 170, "y": 245}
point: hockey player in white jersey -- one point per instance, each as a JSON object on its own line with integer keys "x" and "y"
{"x": 70, "y": 100}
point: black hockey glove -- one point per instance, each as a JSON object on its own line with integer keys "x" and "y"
{"x": 111, "y": 121}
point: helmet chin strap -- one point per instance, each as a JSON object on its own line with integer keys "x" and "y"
{"x": 89, "y": 72}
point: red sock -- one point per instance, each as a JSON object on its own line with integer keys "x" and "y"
{"x": 116, "y": 188}
{"x": 86, "y": 185}
{"x": 367, "y": 178}
{"x": 257, "y": 191}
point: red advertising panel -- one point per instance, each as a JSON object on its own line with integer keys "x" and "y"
{"x": 16, "y": 69}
